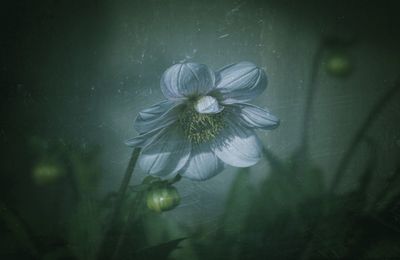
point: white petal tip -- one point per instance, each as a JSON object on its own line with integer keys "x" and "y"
{"x": 208, "y": 105}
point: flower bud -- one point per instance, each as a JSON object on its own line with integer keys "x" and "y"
{"x": 338, "y": 64}
{"x": 162, "y": 198}
{"x": 47, "y": 172}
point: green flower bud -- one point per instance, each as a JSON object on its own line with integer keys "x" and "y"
{"x": 162, "y": 198}
{"x": 47, "y": 172}
{"x": 338, "y": 64}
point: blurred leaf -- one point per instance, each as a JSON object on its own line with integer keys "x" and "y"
{"x": 17, "y": 228}
{"x": 160, "y": 251}
{"x": 388, "y": 192}
{"x": 273, "y": 221}
{"x": 85, "y": 167}
{"x": 238, "y": 202}
{"x": 388, "y": 248}
{"x": 85, "y": 228}
{"x": 58, "y": 254}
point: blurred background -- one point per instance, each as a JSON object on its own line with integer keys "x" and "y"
{"x": 75, "y": 75}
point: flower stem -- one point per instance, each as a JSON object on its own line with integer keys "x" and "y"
{"x": 105, "y": 249}
{"x": 310, "y": 97}
{"x": 127, "y": 176}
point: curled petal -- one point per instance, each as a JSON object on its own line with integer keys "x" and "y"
{"x": 166, "y": 154}
{"x": 255, "y": 117}
{"x": 187, "y": 79}
{"x": 203, "y": 163}
{"x": 208, "y": 105}
{"x": 237, "y": 146}
{"x": 241, "y": 82}
{"x": 157, "y": 116}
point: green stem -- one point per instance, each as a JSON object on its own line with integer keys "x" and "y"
{"x": 124, "y": 229}
{"x": 310, "y": 97}
{"x": 108, "y": 239}
{"x": 132, "y": 212}
{"x": 274, "y": 161}
{"x": 127, "y": 178}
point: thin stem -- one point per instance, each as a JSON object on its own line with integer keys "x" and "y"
{"x": 273, "y": 160}
{"x": 124, "y": 229}
{"x": 118, "y": 205}
{"x": 310, "y": 96}
{"x": 375, "y": 111}
{"x": 127, "y": 177}
{"x": 137, "y": 204}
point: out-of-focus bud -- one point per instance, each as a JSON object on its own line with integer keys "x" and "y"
{"x": 338, "y": 64}
{"x": 47, "y": 172}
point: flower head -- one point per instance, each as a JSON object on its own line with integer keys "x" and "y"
{"x": 205, "y": 122}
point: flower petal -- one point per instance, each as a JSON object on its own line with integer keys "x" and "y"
{"x": 255, "y": 117}
{"x": 208, "y": 105}
{"x": 157, "y": 116}
{"x": 241, "y": 82}
{"x": 142, "y": 139}
{"x": 187, "y": 79}
{"x": 237, "y": 146}
{"x": 203, "y": 163}
{"x": 166, "y": 154}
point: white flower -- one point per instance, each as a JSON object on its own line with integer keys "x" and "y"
{"x": 204, "y": 123}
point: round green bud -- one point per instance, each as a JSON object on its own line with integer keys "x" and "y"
{"x": 47, "y": 173}
{"x": 162, "y": 198}
{"x": 338, "y": 65}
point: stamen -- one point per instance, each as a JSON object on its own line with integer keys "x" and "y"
{"x": 199, "y": 128}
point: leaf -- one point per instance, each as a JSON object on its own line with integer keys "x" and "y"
{"x": 85, "y": 229}
{"x": 17, "y": 228}
{"x": 238, "y": 203}
{"x": 160, "y": 251}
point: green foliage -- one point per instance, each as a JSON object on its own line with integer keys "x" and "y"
{"x": 160, "y": 251}
{"x": 293, "y": 216}
{"x": 85, "y": 228}
{"x": 17, "y": 231}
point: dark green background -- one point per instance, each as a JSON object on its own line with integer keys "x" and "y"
{"x": 80, "y": 72}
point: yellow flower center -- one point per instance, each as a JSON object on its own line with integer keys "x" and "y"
{"x": 198, "y": 127}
